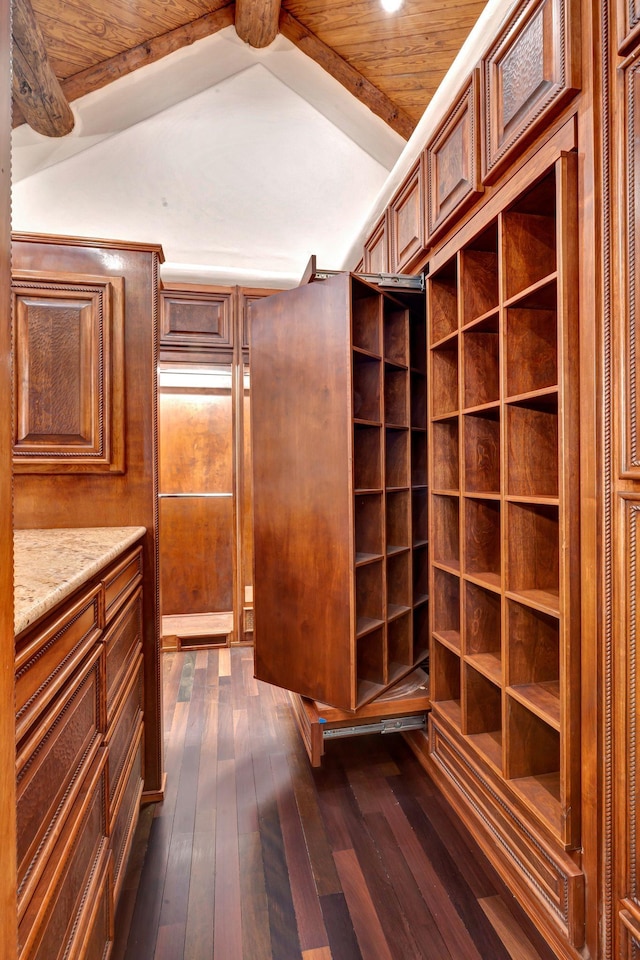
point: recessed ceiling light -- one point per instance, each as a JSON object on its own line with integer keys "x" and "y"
{"x": 391, "y": 5}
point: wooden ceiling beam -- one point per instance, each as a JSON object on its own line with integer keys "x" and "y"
{"x": 93, "y": 78}
{"x": 345, "y": 74}
{"x": 257, "y": 21}
{"x": 36, "y": 89}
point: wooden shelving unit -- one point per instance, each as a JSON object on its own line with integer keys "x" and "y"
{"x": 504, "y": 494}
{"x": 339, "y": 392}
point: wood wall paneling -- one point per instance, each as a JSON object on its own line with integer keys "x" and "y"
{"x": 196, "y": 439}
{"x": 86, "y": 500}
{"x": 452, "y": 162}
{"x": 68, "y": 345}
{"x": 406, "y": 221}
{"x": 528, "y": 74}
{"x": 196, "y": 554}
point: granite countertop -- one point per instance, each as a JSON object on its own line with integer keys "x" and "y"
{"x": 50, "y": 565}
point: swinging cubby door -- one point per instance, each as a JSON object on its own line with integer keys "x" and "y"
{"x": 503, "y": 415}
{"x": 339, "y": 452}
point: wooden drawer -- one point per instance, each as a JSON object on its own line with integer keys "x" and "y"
{"x": 120, "y": 581}
{"x": 58, "y": 906}
{"x": 93, "y": 940}
{"x": 126, "y": 809}
{"x": 123, "y": 640}
{"x": 123, "y": 729}
{"x": 51, "y": 766}
{"x": 47, "y": 658}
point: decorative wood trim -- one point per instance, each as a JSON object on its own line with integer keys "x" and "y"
{"x": 345, "y": 74}
{"x": 86, "y": 313}
{"x": 59, "y": 240}
{"x": 452, "y": 162}
{"x": 630, "y": 411}
{"x": 528, "y": 74}
{"x": 406, "y": 220}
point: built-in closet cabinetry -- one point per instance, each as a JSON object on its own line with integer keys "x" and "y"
{"x": 79, "y": 757}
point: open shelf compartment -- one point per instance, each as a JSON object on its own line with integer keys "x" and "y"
{"x": 482, "y": 715}
{"x": 529, "y": 237}
{"x": 367, "y": 458}
{"x": 483, "y": 631}
{"x": 446, "y": 608}
{"x": 532, "y": 447}
{"x": 443, "y": 302}
{"x": 368, "y": 527}
{"x": 482, "y": 452}
{"x": 366, "y": 388}
{"x": 482, "y": 556}
{"x": 479, "y": 274}
{"x": 365, "y": 318}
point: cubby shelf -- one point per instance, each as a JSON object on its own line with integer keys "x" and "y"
{"x": 503, "y": 535}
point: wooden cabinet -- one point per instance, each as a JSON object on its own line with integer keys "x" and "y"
{"x": 339, "y": 464}
{"x": 79, "y": 727}
{"x": 504, "y": 478}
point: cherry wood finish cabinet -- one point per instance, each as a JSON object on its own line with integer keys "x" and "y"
{"x": 505, "y": 597}
{"x": 128, "y": 497}
{"x": 79, "y": 768}
{"x": 338, "y": 411}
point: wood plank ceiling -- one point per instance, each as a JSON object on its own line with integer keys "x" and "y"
{"x": 393, "y": 62}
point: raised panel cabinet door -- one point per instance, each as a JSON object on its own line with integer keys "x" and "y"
{"x": 196, "y": 319}
{"x": 406, "y": 217}
{"x": 628, "y": 18}
{"x": 452, "y": 162}
{"x": 69, "y": 374}
{"x": 528, "y": 74}
{"x": 376, "y": 258}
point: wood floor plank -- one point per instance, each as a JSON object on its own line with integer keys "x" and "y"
{"x": 517, "y": 943}
{"x": 419, "y": 919}
{"x": 455, "y": 934}
{"x": 452, "y": 874}
{"x": 311, "y": 929}
{"x": 285, "y": 943}
{"x": 227, "y": 930}
{"x": 224, "y": 662}
{"x": 322, "y": 863}
{"x": 366, "y": 924}
{"x": 339, "y": 925}
{"x": 254, "y": 855}
{"x": 256, "y": 936}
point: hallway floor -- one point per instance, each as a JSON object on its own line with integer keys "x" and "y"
{"x": 254, "y": 855}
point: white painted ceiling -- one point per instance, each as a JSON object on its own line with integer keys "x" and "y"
{"x": 241, "y": 163}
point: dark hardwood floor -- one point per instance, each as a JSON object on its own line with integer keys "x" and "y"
{"x": 254, "y": 855}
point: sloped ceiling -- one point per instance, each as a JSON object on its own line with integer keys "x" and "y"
{"x": 240, "y": 162}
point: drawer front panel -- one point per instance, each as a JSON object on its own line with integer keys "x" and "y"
{"x": 48, "y": 659}
{"x": 122, "y": 732}
{"x": 55, "y": 909}
{"x": 119, "y": 583}
{"x": 122, "y": 640}
{"x": 51, "y": 766}
{"x": 125, "y": 815}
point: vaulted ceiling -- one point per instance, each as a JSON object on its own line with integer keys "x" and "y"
{"x": 392, "y": 62}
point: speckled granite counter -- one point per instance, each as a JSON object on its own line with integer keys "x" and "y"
{"x": 50, "y": 565}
